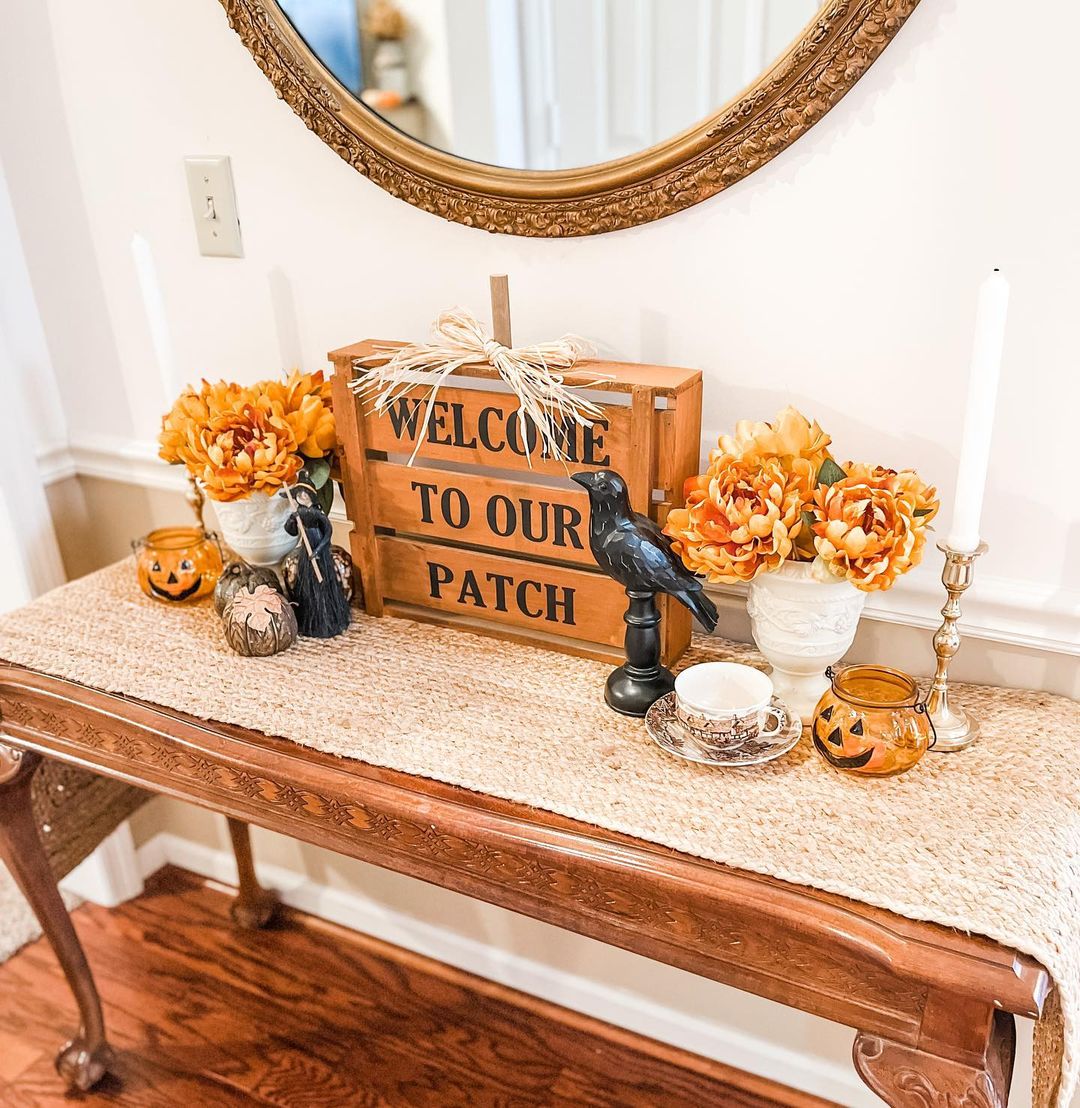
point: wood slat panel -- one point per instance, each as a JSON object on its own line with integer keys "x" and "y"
{"x": 475, "y": 427}
{"x": 665, "y": 453}
{"x": 640, "y": 473}
{"x": 618, "y": 376}
{"x": 522, "y": 593}
{"x": 527, "y": 636}
{"x": 490, "y": 512}
{"x": 684, "y": 452}
{"x": 356, "y": 487}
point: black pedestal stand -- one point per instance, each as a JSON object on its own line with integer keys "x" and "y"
{"x": 633, "y": 687}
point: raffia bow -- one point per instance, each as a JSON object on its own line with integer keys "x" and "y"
{"x": 534, "y": 373}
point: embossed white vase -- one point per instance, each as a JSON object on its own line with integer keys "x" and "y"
{"x": 802, "y": 626}
{"x": 255, "y": 527}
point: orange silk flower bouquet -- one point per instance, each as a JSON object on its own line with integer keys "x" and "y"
{"x": 774, "y": 493}
{"x": 239, "y": 439}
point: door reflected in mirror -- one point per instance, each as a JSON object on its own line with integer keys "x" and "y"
{"x": 547, "y": 84}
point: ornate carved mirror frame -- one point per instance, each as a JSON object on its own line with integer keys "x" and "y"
{"x": 833, "y": 52}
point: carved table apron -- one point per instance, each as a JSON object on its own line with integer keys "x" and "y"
{"x": 933, "y": 1008}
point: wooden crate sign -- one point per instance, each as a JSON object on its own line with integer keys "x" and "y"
{"x": 553, "y": 599}
{"x": 485, "y": 428}
{"x": 486, "y": 532}
{"x": 492, "y": 512}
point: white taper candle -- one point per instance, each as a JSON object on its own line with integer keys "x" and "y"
{"x": 979, "y": 418}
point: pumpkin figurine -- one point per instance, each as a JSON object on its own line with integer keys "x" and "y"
{"x": 238, "y": 575}
{"x": 259, "y": 621}
{"x": 343, "y": 567}
{"x": 177, "y": 564}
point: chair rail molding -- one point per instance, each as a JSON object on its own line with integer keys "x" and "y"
{"x": 1007, "y": 610}
{"x": 112, "y": 458}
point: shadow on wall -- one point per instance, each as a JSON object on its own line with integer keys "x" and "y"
{"x": 96, "y": 519}
{"x": 1060, "y": 670}
{"x": 286, "y": 322}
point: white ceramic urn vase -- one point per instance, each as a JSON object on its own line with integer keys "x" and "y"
{"x": 254, "y": 528}
{"x": 802, "y": 625}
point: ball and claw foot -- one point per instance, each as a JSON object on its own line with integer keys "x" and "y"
{"x": 83, "y": 1066}
{"x": 252, "y": 913}
{"x": 84, "y": 1061}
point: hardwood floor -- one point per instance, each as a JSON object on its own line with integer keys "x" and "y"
{"x": 310, "y": 1015}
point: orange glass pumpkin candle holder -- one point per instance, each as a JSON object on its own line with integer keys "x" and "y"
{"x": 177, "y": 564}
{"x": 871, "y": 721}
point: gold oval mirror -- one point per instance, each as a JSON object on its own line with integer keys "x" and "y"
{"x": 561, "y": 117}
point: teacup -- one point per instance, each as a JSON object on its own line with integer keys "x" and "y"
{"x": 723, "y": 704}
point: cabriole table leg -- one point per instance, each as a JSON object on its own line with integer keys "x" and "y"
{"x": 254, "y": 906}
{"x": 83, "y": 1061}
{"x": 910, "y": 1077}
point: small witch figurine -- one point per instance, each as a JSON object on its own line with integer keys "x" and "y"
{"x": 321, "y": 608}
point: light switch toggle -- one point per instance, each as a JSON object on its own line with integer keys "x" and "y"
{"x": 213, "y": 206}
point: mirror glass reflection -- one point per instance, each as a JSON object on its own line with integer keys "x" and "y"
{"x": 547, "y": 84}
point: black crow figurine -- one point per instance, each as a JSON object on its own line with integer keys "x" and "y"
{"x": 632, "y": 549}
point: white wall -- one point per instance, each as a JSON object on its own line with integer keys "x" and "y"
{"x": 30, "y": 560}
{"x": 841, "y": 277}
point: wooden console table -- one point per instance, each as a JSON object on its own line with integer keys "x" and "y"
{"x": 933, "y": 1008}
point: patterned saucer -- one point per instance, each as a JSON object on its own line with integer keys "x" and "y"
{"x": 669, "y": 733}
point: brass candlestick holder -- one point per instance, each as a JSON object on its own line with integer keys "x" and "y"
{"x": 954, "y": 728}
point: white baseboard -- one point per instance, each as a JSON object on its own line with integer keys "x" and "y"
{"x": 109, "y": 876}
{"x": 616, "y": 1006}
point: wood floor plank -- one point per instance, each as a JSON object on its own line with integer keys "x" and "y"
{"x": 16, "y": 1055}
{"x": 311, "y": 1015}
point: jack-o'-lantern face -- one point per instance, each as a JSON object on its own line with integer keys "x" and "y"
{"x": 174, "y": 578}
{"x": 846, "y": 746}
{"x": 177, "y": 564}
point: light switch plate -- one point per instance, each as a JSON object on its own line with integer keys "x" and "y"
{"x": 213, "y": 206}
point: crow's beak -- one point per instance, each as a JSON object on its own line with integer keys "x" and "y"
{"x": 586, "y": 480}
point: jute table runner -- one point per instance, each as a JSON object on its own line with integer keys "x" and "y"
{"x": 987, "y": 840}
